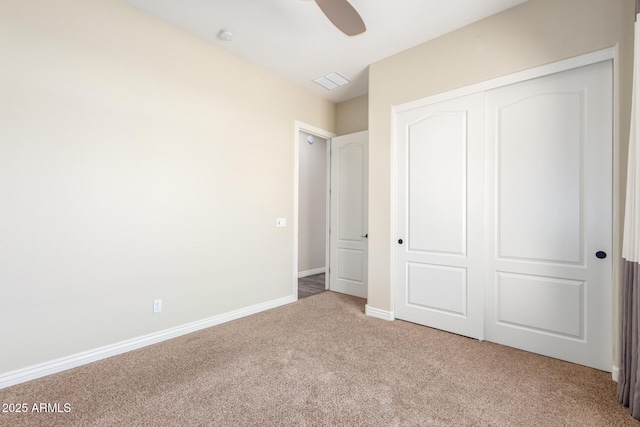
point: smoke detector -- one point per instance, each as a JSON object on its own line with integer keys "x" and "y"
{"x": 226, "y": 35}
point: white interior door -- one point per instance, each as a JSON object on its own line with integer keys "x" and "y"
{"x": 549, "y": 146}
{"x": 349, "y": 203}
{"x": 439, "y": 213}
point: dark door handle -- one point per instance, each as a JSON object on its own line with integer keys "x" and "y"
{"x": 400, "y": 241}
{"x": 366, "y": 236}
{"x": 601, "y": 254}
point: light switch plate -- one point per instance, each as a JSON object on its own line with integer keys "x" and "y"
{"x": 281, "y": 222}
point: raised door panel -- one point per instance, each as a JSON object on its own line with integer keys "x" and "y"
{"x": 437, "y": 288}
{"x": 437, "y": 172}
{"x": 540, "y": 165}
{"x": 546, "y": 305}
{"x": 350, "y": 159}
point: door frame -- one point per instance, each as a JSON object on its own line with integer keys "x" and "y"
{"x": 324, "y": 134}
{"x": 541, "y": 71}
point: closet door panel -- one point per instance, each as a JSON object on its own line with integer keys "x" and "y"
{"x": 549, "y": 143}
{"x": 439, "y": 280}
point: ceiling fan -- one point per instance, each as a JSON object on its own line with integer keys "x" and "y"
{"x": 343, "y": 16}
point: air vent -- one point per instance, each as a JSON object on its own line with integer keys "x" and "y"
{"x": 331, "y": 81}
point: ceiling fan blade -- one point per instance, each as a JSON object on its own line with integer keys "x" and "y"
{"x": 343, "y": 16}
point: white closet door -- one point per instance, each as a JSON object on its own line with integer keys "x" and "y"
{"x": 439, "y": 213}
{"x": 549, "y": 151}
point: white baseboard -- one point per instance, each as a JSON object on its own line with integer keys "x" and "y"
{"x": 615, "y": 372}
{"x": 380, "y": 314}
{"x": 62, "y": 364}
{"x": 311, "y": 272}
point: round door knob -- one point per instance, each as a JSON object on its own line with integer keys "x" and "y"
{"x": 601, "y": 254}
{"x": 400, "y": 241}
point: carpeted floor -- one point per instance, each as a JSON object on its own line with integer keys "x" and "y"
{"x": 321, "y": 361}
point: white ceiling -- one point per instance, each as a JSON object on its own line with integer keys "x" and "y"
{"x": 294, "y": 39}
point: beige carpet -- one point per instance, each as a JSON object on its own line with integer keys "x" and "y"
{"x": 321, "y": 361}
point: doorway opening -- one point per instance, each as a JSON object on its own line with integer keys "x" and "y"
{"x": 311, "y": 210}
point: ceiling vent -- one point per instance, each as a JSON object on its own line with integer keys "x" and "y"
{"x": 331, "y": 81}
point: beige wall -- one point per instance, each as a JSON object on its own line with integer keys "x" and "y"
{"x": 136, "y": 162}
{"x": 532, "y": 34}
{"x": 352, "y": 115}
{"x": 312, "y": 203}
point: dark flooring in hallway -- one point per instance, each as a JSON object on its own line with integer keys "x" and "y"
{"x": 310, "y": 285}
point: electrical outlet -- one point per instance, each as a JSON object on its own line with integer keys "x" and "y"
{"x": 157, "y": 306}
